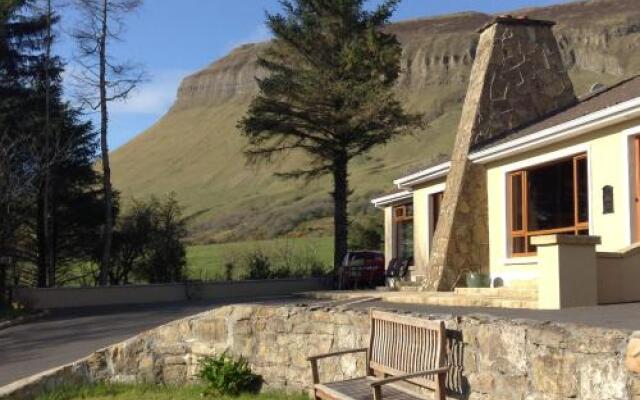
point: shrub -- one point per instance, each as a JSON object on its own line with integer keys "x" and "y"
{"x": 225, "y": 375}
{"x": 259, "y": 265}
{"x": 366, "y": 234}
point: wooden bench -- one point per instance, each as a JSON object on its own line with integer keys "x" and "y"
{"x": 401, "y": 348}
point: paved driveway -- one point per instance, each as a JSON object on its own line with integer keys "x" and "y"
{"x": 66, "y": 336}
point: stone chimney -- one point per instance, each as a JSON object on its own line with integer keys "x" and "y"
{"x": 517, "y": 77}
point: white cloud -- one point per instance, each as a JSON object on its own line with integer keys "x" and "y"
{"x": 260, "y": 33}
{"x": 153, "y": 97}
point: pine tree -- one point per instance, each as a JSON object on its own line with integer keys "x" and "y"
{"x": 329, "y": 93}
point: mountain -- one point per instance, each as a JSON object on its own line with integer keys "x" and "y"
{"x": 195, "y": 149}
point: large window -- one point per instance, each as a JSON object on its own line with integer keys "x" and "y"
{"x": 403, "y": 219}
{"x": 547, "y": 199}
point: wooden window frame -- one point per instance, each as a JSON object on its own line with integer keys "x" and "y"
{"x": 401, "y": 215}
{"x": 524, "y": 232}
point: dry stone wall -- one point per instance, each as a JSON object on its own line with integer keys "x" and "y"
{"x": 491, "y": 358}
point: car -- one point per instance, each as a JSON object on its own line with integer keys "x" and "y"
{"x": 362, "y": 268}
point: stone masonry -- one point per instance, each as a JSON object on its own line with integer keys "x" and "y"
{"x": 490, "y": 358}
{"x": 517, "y": 77}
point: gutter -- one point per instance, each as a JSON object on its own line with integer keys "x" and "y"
{"x": 437, "y": 171}
{"x": 391, "y": 198}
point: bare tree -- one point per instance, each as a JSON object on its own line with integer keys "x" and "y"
{"x": 104, "y": 80}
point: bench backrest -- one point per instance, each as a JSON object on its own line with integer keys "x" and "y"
{"x": 401, "y": 344}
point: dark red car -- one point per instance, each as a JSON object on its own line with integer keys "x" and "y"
{"x": 362, "y": 269}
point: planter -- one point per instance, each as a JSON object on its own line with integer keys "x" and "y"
{"x": 478, "y": 280}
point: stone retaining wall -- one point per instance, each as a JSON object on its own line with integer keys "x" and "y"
{"x": 491, "y": 358}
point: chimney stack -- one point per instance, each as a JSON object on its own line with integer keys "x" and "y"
{"x": 518, "y": 77}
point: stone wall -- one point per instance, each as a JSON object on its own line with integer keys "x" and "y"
{"x": 491, "y": 358}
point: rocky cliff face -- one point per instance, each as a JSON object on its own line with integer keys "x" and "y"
{"x": 195, "y": 149}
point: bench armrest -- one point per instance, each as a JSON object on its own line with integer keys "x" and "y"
{"x": 337, "y": 353}
{"x": 384, "y": 381}
{"x": 314, "y": 360}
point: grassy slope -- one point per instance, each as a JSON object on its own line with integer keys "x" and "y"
{"x": 196, "y": 152}
{"x": 207, "y": 261}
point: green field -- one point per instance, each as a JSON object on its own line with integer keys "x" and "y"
{"x": 207, "y": 262}
{"x": 152, "y": 392}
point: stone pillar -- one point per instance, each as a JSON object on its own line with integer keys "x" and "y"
{"x": 517, "y": 78}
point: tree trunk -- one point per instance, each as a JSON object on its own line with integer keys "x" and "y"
{"x": 47, "y": 229}
{"x": 107, "y": 232}
{"x": 340, "y": 215}
{"x": 42, "y": 251}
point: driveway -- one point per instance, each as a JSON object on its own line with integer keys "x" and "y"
{"x": 67, "y": 335}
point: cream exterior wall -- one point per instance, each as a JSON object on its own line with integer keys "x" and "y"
{"x": 422, "y": 225}
{"x": 609, "y": 161}
{"x": 389, "y": 235}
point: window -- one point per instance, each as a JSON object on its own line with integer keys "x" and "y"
{"x": 403, "y": 219}
{"x": 547, "y": 199}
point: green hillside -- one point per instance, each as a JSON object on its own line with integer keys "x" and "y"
{"x": 195, "y": 150}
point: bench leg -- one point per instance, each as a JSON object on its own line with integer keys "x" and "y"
{"x": 440, "y": 393}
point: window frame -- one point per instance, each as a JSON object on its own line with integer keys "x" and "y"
{"x": 524, "y": 231}
{"x": 401, "y": 215}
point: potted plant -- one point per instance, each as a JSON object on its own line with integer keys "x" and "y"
{"x": 477, "y": 279}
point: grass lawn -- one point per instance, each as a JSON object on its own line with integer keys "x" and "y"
{"x": 153, "y": 392}
{"x": 207, "y": 261}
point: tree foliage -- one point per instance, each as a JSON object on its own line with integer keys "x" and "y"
{"x": 41, "y": 136}
{"x": 329, "y": 92}
{"x": 148, "y": 243}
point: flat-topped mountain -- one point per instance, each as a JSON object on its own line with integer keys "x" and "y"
{"x": 195, "y": 150}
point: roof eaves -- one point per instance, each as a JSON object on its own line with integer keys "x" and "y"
{"x": 426, "y": 175}
{"x": 391, "y": 198}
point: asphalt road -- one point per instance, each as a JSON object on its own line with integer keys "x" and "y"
{"x": 65, "y": 336}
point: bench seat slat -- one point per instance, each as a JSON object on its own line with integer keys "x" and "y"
{"x": 359, "y": 389}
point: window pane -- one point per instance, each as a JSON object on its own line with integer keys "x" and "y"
{"x": 518, "y": 245}
{"x": 405, "y": 240}
{"x": 516, "y": 202}
{"x": 409, "y": 210}
{"x": 550, "y": 197}
{"x": 583, "y": 195}
{"x": 436, "y": 201}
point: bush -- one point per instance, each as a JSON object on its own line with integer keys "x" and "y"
{"x": 225, "y": 375}
{"x": 259, "y": 265}
{"x": 367, "y": 234}
{"x": 148, "y": 243}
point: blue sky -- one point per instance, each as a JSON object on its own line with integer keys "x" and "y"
{"x": 173, "y": 38}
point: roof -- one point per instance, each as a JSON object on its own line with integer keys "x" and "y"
{"x": 623, "y": 91}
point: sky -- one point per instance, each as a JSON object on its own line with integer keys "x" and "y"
{"x": 173, "y": 38}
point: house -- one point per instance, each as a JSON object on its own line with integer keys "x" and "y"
{"x": 542, "y": 189}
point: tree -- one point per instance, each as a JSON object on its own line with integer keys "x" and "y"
{"x": 103, "y": 81}
{"x": 367, "y": 234}
{"x": 329, "y": 93}
{"x": 48, "y": 195}
{"x": 148, "y": 243}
